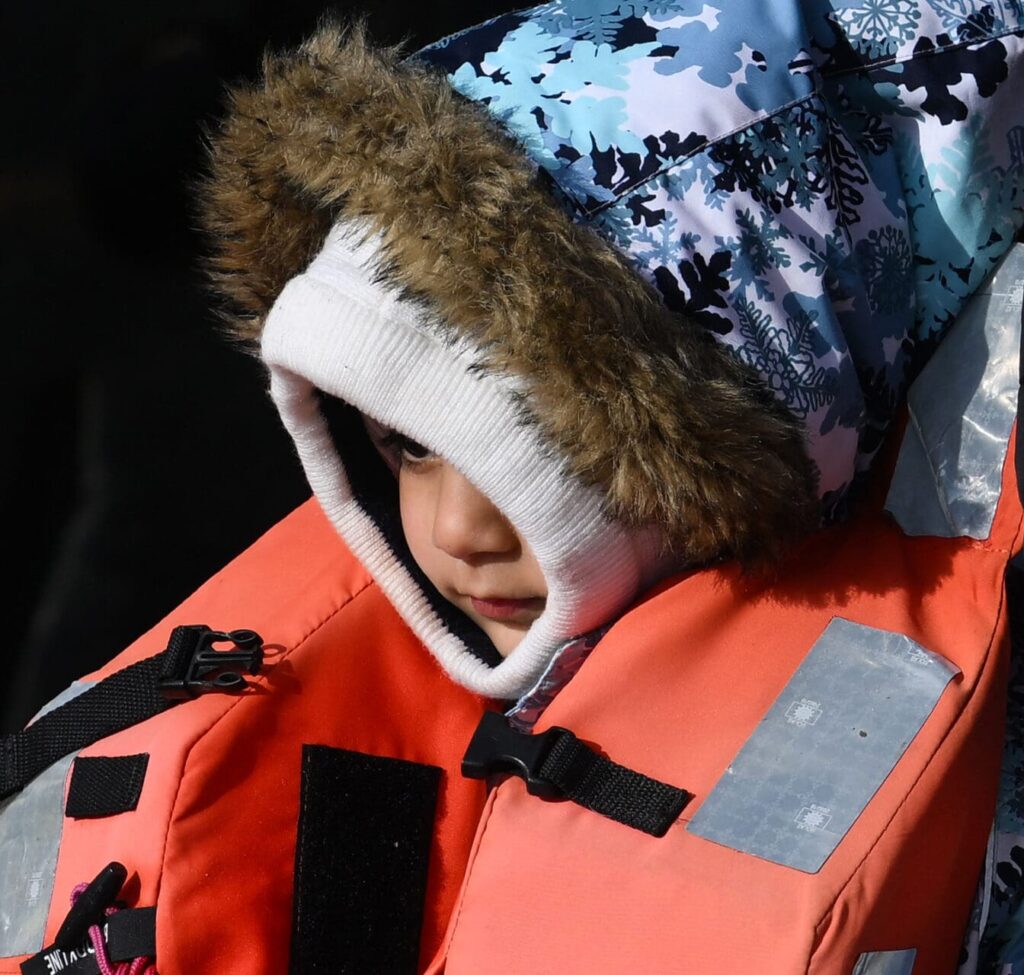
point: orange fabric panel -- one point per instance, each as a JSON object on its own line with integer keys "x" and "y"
{"x": 212, "y": 841}
{"x": 673, "y": 691}
{"x": 366, "y": 686}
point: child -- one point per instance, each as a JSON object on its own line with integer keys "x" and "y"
{"x": 518, "y": 421}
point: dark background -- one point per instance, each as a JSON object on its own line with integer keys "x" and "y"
{"x": 139, "y": 449}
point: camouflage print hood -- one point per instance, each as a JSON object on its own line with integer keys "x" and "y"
{"x": 820, "y": 184}
{"x": 701, "y": 246}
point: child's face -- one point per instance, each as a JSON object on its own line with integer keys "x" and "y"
{"x": 465, "y": 546}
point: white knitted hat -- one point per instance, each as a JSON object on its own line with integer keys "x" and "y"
{"x": 336, "y": 329}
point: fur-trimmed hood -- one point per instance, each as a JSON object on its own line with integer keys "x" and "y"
{"x": 390, "y": 246}
{"x": 640, "y": 402}
{"x": 650, "y": 280}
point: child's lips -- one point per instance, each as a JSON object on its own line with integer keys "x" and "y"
{"x": 508, "y": 610}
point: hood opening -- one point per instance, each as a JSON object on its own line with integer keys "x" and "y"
{"x": 375, "y": 489}
{"x": 339, "y": 329}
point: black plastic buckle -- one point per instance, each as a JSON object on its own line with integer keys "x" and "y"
{"x": 194, "y": 666}
{"x": 497, "y": 747}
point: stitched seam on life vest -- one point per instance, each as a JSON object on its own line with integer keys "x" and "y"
{"x": 968, "y": 699}
{"x": 1015, "y": 544}
{"x": 261, "y": 682}
{"x": 1009, "y": 460}
{"x": 1018, "y": 538}
{"x": 457, "y": 916}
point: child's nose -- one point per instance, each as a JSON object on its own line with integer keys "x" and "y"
{"x": 466, "y": 522}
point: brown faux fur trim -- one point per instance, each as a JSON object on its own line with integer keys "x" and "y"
{"x": 641, "y": 401}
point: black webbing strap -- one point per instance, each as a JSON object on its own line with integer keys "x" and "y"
{"x": 557, "y": 765}
{"x": 128, "y": 934}
{"x": 123, "y": 699}
{"x": 189, "y": 666}
{"x": 597, "y": 783}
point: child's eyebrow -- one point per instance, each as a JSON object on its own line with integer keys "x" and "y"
{"x": 390, "y": 438}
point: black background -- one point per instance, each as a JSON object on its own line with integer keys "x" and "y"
{"x": 139, "y": 450}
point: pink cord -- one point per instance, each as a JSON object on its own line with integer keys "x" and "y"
{"x": 137, "y": 966}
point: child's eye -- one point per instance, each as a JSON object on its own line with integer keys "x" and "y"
{"x": 413, "y": 452}
{"x": 408, "y": 449}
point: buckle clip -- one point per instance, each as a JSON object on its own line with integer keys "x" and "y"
{"x": 194, "y": 666}
{"x": 496, "y": 747}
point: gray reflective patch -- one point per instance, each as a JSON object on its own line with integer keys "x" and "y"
{"x": 825, "y": 746}
{"x": 961, "y": 410}
{"x": 886, "y": 962}
{"x": 30, "y": 829}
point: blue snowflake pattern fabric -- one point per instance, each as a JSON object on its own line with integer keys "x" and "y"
{"x": 819, "y": 184}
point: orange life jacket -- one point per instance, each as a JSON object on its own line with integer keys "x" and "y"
{"x": 676, "y": 690}
{"x": 231, "y": 780}
{"x": 838, "y": 728}
{"x": 673, "y": 691}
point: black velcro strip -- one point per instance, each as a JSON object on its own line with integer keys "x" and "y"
{"x": 132, "y": 934}
{"x": 129, "y": 934}
{"x": 597, "y": 783}
{"x": 361, "y": 857}
{"x": 105, "y": 786}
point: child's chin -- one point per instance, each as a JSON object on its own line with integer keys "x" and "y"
{"x": 506, "y": 636}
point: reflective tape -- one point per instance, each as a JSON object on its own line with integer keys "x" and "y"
{"x": 825, "y": 746}
{"x": 961, "y": 410}
{"x": 886, "y": 962}
{"x": 30, "y": 831}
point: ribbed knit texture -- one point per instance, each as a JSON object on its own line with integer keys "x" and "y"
{"x": 334, "y": 328}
